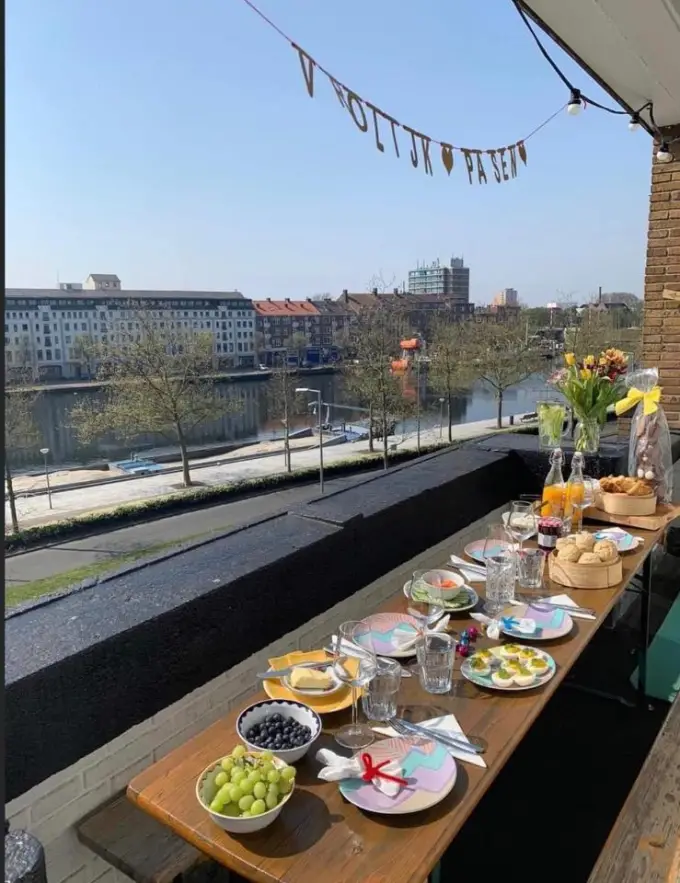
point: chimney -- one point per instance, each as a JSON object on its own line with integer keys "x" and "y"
{"x": 287, "y": 300}
{"x": 375, "y": 291}
{"x": 309, "y": 300}
{"x": 395, "y": 291}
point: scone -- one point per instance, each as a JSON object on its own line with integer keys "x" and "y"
{"x": 563, "y": 542}
{"x": 584, "y": 541}
{"x": 605, "y": 550}
{"x": 570, "y": 552}
{"x": 589, "y": 558}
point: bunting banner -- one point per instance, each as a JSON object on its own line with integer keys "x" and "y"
{"x": 499, "y": 164}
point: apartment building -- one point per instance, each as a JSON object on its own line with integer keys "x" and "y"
{"x": 507, "y": 297}
{"x": 42, "y": 325}
{"x": 441, "y": 280}
{"x": 418, "y": 310}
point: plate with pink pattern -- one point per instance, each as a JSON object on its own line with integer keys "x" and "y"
{"x": 388, "y": 632}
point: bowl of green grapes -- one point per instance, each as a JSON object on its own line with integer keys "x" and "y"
{"x": 245, "y": 791}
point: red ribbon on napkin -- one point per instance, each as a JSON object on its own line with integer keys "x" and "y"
{"x": 374, "y": 771}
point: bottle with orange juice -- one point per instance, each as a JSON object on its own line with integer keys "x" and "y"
{"x": 552, "y": 501}
{"x": 575, "y": 494}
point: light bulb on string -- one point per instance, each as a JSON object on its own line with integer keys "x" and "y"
{"x": 575, "y": 103}
{"x": 634, "y": 123}
{"x": 664, "y": 154}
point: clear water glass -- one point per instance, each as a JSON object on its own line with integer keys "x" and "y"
{"x": 500, "y": 583}
{"x": 380, "y": 696}
{"x": 436, "y": 656}
{"x": 521, "y": 521}
{"x": 354, "y": 663}
{"x": 530, "y": 565}
{"x": 425, "y": 602}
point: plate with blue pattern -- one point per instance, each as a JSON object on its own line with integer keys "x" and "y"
{"x": 388, "y": 631}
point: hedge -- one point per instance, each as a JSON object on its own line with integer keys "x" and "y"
{"x": 194, "y": 498}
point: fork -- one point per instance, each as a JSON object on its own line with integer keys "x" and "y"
{"x": 406, "y": 728}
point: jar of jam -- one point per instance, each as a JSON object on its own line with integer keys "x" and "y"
{"x": 549, "y": 531}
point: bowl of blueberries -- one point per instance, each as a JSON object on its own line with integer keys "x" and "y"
{"x": 286, "y": 728}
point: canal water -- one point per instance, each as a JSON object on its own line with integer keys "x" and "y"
{"x": 255, "y": 420}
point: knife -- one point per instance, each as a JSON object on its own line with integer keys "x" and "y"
{"x": 449, "y": 741}
{"x": 277, "y": 673}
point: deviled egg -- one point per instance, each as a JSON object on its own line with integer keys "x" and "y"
{"x": 538, "y": 665}
{"x": 480, "y": 666}
{"x": 503, "y": 678}
{"x": 524, "y": 677}
{"x": 510, "y": 651}
{"x": 512, "y": 665}
{"x": 486, "y": 655}
{"x": 527, "y": 653}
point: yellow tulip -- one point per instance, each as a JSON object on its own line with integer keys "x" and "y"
{"x": 569, "y": 359}
{"x": 589, "y": 361}
{"x": 585, "y": 373}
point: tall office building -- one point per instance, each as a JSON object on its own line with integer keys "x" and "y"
{"x": 506, "y": 298}
{"x": 452, "y": 281}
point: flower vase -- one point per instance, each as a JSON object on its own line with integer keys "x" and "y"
{"x": 551, "y": 417}
{"x": 587, "y": 435}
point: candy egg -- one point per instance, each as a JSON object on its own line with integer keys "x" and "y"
{"x": 473, "y": 633}
{"x": 464, "y": 650}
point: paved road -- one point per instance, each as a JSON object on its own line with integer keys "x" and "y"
{"x": 41, "y": 563}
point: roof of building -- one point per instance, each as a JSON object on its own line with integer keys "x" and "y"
{"x": 103, "y": 277}
{"x": 125, "y": 294}
{"x": 285, "y": 307}
{"x": 335, "y": 307}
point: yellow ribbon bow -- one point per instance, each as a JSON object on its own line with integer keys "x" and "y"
{"x": 650, "y": 401}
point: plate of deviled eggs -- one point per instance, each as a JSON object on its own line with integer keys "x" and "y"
{"x": 509, "y": 667}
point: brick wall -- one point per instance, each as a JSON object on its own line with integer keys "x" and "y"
{"x": 52, "y": 808}
{"x": 661, "y": 328}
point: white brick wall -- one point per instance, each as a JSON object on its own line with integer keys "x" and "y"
{"x": 51, "y": 809}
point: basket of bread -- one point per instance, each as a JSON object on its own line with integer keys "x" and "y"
{"x": 621, "y": 495}
{"x": 582, "y": 562}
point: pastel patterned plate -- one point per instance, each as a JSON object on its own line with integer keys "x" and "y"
{"x": 387, "y": 629}
{"x": 475, "y": 550}
{"x": 323, "y": 704}
{"x": 487, "y": 682}
{"x": 625, "y": 542}
{"x": 550, "y": 623}
{"x": 466, "y": 599}
{"x": 427, "y": 766}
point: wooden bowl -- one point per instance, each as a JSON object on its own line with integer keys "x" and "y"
{"x": 585, "y": 576}
{"x": 623, "y": 504}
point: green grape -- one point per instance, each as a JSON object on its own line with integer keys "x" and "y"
{"x": 231, "y": 809}
{"x": 288, "y": 773}
{"x": 217, "y": 805}
{"x": 255, "y": 776}
{"x": 246, "y": 786}
{"x": 260, "y": 790}
{"x": 267, "y": 755}
{"x": 235, "y": 793}
{"x": 285, "y": 786}
{"x": 223, "y": 794}
{"x": 266, "y": 767}
{"x": 258, "y": 808}
{"x": 273, "y": 776}
{"x": 273, "y": 789}
{"x": 221, "y": 779}
{"x": 227, "y": 764}
{"x": 246, "y": 802}
{"x": 239, "y": 751}
{"x": 271, "y": 800}
{"x": 237, "y": 776}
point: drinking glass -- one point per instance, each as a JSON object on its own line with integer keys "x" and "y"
{"x": 425, "y": 601}
{"x": 530, "y": 564}
{"x": 436, "y": 656}
{"x": 521, "y": 522}
{"x": 500, "y": 583}
{"x": 380, "y": 696}
{"x": 582, "y": 501}
{"x": 354, "y": 665}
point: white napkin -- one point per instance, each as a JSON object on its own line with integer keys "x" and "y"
{"x": 566, "y": 601}
{"x": 408, "y": 641}
{"x": 471, "y": 572}
{"x": 447, "y": 725}
{"x": 335, "y": 767}
{"x": 493, "y": 626}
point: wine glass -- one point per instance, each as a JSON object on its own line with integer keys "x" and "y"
{"x": 354, "y": 663}
{"x": 425, "y": 601}
{"x": 583, "y": 500}
{"x": 521, "y": 521}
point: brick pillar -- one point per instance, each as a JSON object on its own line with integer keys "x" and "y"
{"x": 661, "y": 325}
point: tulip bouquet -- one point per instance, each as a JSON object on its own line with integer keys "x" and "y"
{"x": 591, "y": 386}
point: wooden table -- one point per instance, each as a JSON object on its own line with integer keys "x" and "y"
{"x": 320, "y": 837}
{"x": 644, "y": 844}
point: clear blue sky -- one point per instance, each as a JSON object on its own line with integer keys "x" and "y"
{"x": 174, "y": 143}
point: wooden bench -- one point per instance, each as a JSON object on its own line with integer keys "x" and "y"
{"x": 644, "y": 844}
{"x": 142, "y": 848}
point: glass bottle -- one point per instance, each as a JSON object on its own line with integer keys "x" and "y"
{"x": 574, "y": 495}
{"x": 552, "y": 501}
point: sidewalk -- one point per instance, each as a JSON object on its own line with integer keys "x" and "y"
{"x": 79, "y": 501}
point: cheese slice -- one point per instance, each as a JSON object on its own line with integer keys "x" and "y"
{"x": 310, "y": 679}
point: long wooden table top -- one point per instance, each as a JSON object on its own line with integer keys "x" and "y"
{"x": 644, "y": 844}
{"x": 321, "y": 837}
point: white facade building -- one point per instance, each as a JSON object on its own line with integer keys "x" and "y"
{"x": 42, "y": 325}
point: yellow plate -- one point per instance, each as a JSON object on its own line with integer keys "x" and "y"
{"x": 324, "y": 704}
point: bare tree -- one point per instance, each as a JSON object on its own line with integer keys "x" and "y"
{"x": 85, "y": 353}
{"x": 449, "y": 341}
{"x": 21, "y": 430}
{"x": 500, "y": 355}
{"x": 297, "y": 343}
{"x": 157, "y": 380}
{"x": 27, "y": 362}
{"x": 284, "y": 403}
{"x": 597, "y": 330}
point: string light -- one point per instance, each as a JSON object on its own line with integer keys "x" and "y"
{"x": 634, "y": 123}
{"x": 575, "y": 103}
{"x": 664, "y": 154}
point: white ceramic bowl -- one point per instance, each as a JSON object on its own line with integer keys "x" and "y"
{"x": 434, "y": 578}
{"x": 255, "y": 714}
{"x": 206, "y": 789}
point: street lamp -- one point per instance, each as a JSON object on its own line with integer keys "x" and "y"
{"x": 441, "y": 417}
{"x": 45, "y": 452}
{"x": 317, "y": 392}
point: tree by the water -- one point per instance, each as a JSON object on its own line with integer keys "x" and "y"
{"x": 21, "y": 429}
{"x": 284, "y": 403}
{"x": 157, "y": 380}
{"x": 447, "y": 353}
